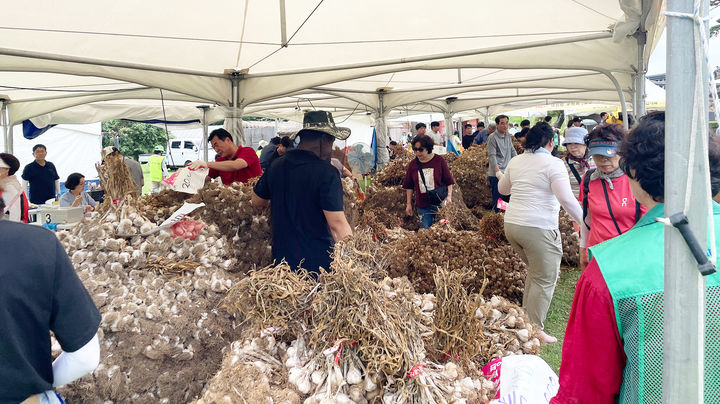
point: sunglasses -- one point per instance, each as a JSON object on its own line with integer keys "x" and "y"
{"x": 418, "y": 148}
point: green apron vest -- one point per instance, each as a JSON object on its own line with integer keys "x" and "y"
{"x": 633, "y": 268}
{"x": 155, "y": 163}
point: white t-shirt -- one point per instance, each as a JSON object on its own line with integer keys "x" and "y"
{"x": 436, "y": 137}
{"x": 538, "y": 184}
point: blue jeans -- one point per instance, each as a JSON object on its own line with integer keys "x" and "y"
{"x": 495, "y": 194}
{"x": 427, "y": 216}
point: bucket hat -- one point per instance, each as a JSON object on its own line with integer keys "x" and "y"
{"x": 322, "y": 121}
{"x": 575, "y": 134}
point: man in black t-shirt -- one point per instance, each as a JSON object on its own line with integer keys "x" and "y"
{"x": 468, "y": 136}
{"x": 307, "y": 209}
{"x": 39, "y": 293}
{"x": 42, "y": 176}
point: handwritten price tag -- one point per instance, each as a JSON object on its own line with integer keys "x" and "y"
{"x": 186, "y": 180}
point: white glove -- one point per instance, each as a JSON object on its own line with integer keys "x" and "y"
{"x": 197, "y": 164}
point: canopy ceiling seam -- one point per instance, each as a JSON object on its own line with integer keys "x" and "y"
{"x": 287, "y": 43}
{"x": 466, "y": 85}
{"x": 242, "y": 34}
{"x": 454, "y": 38}
{"x": 439, "y": 56}
{"x": 406, "y": 68}
{"x": 593, "y": 10}
{"x": 142, "y": 36}
{"x": 70, "y": 91}
{"x": 100, "y": 62}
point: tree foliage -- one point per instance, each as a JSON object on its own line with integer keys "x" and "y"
{"x": 135, "y": 138}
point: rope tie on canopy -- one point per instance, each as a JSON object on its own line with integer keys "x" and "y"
{"x": 679, "y": 220}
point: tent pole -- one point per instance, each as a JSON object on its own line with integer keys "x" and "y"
{"x": 204, "y": 109}
{"x": 381, "y": 136}
{"x": 448, "y": 114}
{"x": 283, "y": 25}
{"x": 7, "y": 128}
{"x": 635, "y": 94}
{"x": 640, "y": 77}
{"x": 233, "y": 123}
{"x": 684, "y": 301}
{"x": 4, "y": 126}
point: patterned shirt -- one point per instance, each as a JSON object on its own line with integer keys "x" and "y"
{"x": 574, "y": 183}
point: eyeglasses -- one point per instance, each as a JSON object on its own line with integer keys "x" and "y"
{"x": 418, "y": 149}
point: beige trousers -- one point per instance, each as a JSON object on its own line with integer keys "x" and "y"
{"x": 542, "y": 251}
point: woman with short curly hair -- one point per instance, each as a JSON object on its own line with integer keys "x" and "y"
{"x": 609, "y": 207}
{"x": 426, "y": 174}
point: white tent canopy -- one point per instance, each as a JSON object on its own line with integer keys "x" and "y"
{"x": 72, "y": 148}
{"x": 242, "y": 55}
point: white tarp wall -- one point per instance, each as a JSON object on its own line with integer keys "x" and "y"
{"x": 72, "y": 148}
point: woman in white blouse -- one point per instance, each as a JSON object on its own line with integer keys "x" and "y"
{"x": 539, "y": 185}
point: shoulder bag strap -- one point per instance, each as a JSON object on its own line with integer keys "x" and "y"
{"x": 574, "y": 170}
{"x": 607, "y": 201}
{"x": 12, "y": 202}
{"x": 586, "y": 189}
{"x": 638, "y": 212}
{"x": 422, "y": 175}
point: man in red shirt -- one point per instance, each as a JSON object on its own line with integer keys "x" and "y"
{"x": 234, "y": 163}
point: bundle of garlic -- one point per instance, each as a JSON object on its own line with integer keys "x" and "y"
{"x": 246, "y": 227}
{"x": 158, "y": 207}
{"x": 274, "y": 296}
{"x": 434, "y": 383}
{"x": 252, "y": 372}
{"x": 393, "y": 174}
{"x": 470, "y": 173}
{"x": 350, "y": 201}
{"x": 384, "y": 208}
{"x": 570, "y": 240}
{"x": 507, "y": 329}
{"x": 457, "y": 213}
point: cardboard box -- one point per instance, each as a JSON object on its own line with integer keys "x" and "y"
{"x": 56, "y": 214}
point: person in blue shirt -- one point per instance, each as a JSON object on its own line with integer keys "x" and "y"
{"x": 76, "y": 195}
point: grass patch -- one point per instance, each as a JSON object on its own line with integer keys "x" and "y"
{"x": 558, "y": 314}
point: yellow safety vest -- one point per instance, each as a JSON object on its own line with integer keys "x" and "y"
{"x": 155, "y": 162}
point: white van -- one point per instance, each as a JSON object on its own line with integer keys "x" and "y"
{"x": 180, "y": 152}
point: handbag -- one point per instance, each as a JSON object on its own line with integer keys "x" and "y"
{"x": 435, "y": 196}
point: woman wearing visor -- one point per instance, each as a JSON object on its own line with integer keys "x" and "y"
{"x": 609, "y": 207}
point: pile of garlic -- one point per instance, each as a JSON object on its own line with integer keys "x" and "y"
{"x": 96, "y": 241}
{"x": 161, "y": 336}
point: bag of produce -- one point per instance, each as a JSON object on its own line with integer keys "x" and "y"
{"x": 187, "y": 180}
{"x": 522, "y": 379}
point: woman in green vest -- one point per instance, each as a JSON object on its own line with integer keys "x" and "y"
{"x": 613, "y": 349}
{"x": 158, "y": 168}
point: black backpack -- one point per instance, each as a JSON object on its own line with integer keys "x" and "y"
{"x": 586, "y": 189}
